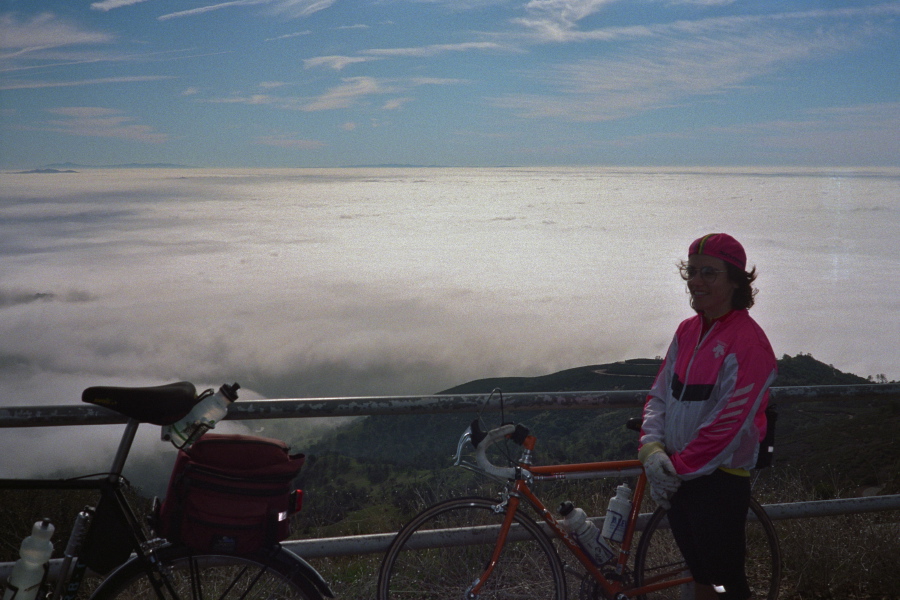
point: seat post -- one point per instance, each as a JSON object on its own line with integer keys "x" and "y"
{"x": 124, "y": 447}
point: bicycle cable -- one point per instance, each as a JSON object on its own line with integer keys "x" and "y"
{"x": 488, "y": 401}
{"x": 122, "y": 479}
{"x": 511, "y": 460}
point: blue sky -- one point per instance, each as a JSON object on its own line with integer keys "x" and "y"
{"x": 325, "y": 83}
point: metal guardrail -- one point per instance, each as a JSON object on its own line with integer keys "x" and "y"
{"x": 378, "y": 542}
{"x": 64, "y": 415}
{"x": 86, "y": 414}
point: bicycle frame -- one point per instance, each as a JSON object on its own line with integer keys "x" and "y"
{"x": 109, "y": 486}
{"x": 71, "y": 575}
{"x": 612, "y": 586}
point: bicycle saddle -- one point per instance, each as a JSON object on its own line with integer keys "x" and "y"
{"x": 159, "y": 405}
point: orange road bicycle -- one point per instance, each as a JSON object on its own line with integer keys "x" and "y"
{"x": 481, "y": 548}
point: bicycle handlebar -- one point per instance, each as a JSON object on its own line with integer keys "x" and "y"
{"x": 481, "y": 452}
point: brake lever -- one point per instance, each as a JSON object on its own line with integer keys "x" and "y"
{"x": 463, "y": 440}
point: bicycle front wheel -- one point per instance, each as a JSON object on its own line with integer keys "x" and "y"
{"x": 658, "y": 557}
{"x": 271, "y": 574}
{"x": 443, "y": 551}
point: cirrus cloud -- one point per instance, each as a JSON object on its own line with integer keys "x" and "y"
{"x": 345, "y": 95}
{"x": 42, "y": 32}
{"x": 107, "y": 5}
{"x": 289, "y": 8}
{"x": 674, "y": 63}
{"x": 102, "y": 122}
{"x": 334, "y": 62}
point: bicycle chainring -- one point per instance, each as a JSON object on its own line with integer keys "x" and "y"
{"x": 591, "y": 590}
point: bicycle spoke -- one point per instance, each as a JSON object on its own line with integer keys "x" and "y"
{"x": 658, "y": 558}
{"x": 528, "y": 569}
{"x": 215, "y": 577}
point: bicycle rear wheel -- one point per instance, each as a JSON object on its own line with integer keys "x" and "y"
{"x": 432, "y": 559}
{"x": 271, "y": 574}
{"x": 658, "y": 556}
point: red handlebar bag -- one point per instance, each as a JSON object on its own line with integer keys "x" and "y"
{"x": 230, "y": 493}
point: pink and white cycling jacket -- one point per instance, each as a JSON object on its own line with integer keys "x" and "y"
{"x": 707, "y": 405}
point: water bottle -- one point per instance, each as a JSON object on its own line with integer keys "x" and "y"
{"x": 205, "y": 414}
{"x": 585, "y": 533}
{"x": 28, "y": 572}
{"x": 617, "y": 514}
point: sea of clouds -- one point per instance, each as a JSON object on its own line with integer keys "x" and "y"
{"x": 325, "y": 283}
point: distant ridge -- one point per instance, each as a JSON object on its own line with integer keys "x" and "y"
{"x": 70, "y": 165}
{"x": 392, "y": 166}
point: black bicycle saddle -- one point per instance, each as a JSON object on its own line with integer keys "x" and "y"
{"x": 160, "y": 405}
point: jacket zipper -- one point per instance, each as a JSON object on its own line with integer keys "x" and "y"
{"x": 687, "y": 372}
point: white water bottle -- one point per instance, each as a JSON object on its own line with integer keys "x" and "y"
{"x": 617, "y": 514}
{"x": 28, "y": 572}
{"x": 585, "y": 533}
{"x": 204, "y": 416}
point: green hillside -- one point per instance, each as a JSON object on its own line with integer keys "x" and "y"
{"x": 427, "y": 441}
{"x": 404, "y": 460}
{"x": 634, "y": 374}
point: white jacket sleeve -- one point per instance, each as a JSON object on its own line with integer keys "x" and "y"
{"x": 654, "y": 426}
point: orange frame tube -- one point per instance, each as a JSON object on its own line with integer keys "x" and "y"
{"x": 521, "y": 489}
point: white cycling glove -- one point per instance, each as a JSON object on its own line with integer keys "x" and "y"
{"x": 661, "y": 474}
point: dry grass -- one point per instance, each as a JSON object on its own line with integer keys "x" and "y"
{"x": 842, "y": 557}
{"x": 848, "y": 556}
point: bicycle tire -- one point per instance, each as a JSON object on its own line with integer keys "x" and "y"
{"x": 271, "y": 574}
{"x": 529, "y": 568}
{"x": 658, "y": 553}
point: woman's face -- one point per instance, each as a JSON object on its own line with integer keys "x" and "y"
{"x": 711, "y": 290}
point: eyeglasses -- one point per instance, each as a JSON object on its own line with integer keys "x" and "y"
{"x": 707, "y": 274}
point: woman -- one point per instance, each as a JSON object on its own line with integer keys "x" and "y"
{"x": 705, "y": 416}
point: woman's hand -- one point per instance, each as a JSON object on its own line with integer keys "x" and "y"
{"x": 664, "y": 480}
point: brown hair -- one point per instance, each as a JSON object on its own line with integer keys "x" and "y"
{"x": 744, "y": 295}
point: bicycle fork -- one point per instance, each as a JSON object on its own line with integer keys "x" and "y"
{"x": 511, "y": 504}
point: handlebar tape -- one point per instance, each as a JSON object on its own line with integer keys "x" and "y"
{"x": 478, "y": 434}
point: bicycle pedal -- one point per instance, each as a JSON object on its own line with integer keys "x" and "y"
{"x": 613, "y": 576}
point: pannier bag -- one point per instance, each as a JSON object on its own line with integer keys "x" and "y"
{"x": 230, "y": 493}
